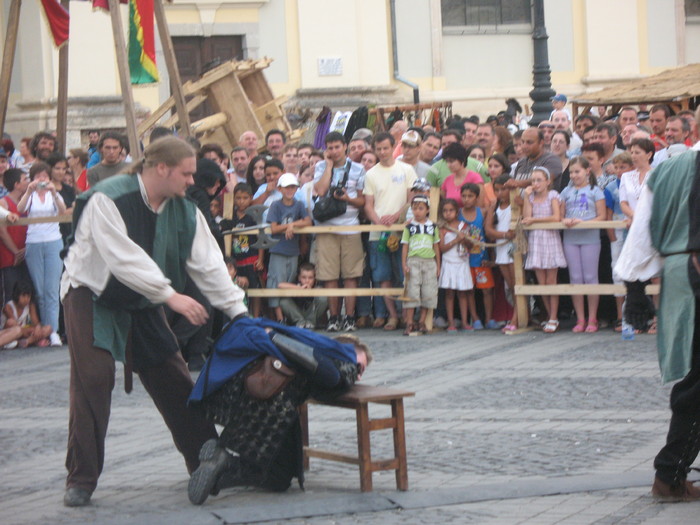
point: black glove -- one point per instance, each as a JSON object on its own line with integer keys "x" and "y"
{"x": 639, "y": 309}
{"x": 226, "y": 225}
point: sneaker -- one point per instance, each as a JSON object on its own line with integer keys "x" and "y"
{"x": 439, "y": 322}
{"x": 334, "y": 324}
{"x": 76, "y": 497}
{"x": 309, "y": 325}
{"x": 10, "y": 346}
{"x": 492, "y": 325}
{"x": 214, "y": 460}
{"x": 477, "y": 325}
{"x": 55, "y": 340}
{"x": 349, "y": 324}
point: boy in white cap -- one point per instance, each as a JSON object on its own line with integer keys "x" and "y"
{"x": 284, "y": 215}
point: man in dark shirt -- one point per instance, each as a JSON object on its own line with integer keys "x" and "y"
{"x": 535, "y": 155}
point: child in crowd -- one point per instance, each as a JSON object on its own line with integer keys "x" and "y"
{"x": 241, "y": 282}
{"x": 455, "y": 273}
{"x": 480, "y": 266}
{"x": 305, "y": 312}
{"x": 498, "y": 230}
{"x": 622, "y": 163}
{"x": 455, "y": 155}
{"x": 421, "y": 263}
{"x": 249, "y": 261}
{"x": 582, "y": 201}
{"x": 268, "y": 193}
{"x": 284, "y": 215}
{"x": 545, "y": 253}
{"x": 215, "y": 209}
{"x": 21, "y": 312}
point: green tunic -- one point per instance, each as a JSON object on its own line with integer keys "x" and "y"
{"x": 671, "y": 182}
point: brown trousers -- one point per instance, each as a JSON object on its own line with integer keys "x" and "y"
{"x": 91, "y": 382}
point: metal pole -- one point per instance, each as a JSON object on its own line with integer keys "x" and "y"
{"x": 62, "y": 104}
{"x": 8, "y": 59}
{"x": 542, "y": 93}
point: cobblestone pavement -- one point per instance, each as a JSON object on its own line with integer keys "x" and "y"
{"x": 521, "y": 429}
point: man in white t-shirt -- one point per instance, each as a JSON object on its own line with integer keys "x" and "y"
{"x": 340, "y": 255}
{"x": 387, "y": 188}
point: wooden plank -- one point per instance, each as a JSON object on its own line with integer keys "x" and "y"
{"x": 62, "y": 98}
{"x": 364, "y": 452}
{"x": 400, "y": 445}
{"x": 578, "y": 289}
{"x": 586, "y": 225}
{"x": 382, "y": 423}
{"x": 193, "y": 103}
{"x": 25, "y": 221}
{"x": 256, "y": 88}
{"x": 8, "y": 59}
{"x": 227, "y": 95}
{"x": 154, "y": 117}
{"x": 209, "y": 123}
{"x": 124, "y": 79}
{"x": 323, "y": 292}
{"x": 173, "y": 72}
{"x": 228, "y": 214}
{"x": 330, "y": 456}
{"x": 521, "y": 303}
{"x": 359, "y": 393}
{"x": 384, "y": 464}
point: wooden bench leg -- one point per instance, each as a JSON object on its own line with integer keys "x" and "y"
{"x": 400, "y": 444}
{"x": 363, "y": 448}
{"x": 304, "y": 421}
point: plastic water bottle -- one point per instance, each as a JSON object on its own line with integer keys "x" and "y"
{"x": 627, "y": 331}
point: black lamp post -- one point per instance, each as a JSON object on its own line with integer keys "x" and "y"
{"x": 542, "y": 93}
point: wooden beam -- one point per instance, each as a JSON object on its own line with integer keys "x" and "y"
{"x": 585, "y": 225}
{"x": 192, "y": 104}
{"x": 521, "y": 304}
{"x": 62, "y": 103}
{"x": 173, "y": 71}
{"x": 211, "y": 122}
{"x": 323, "y": 292}
{"x": 124, "y": 79}
{"x": 578, "y": 289}
{"x": 8, "y": 59}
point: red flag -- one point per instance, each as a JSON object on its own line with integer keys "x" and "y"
{"x": 104, "y": 4}
{"x": 58, "y": 19}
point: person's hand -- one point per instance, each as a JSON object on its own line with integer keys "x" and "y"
{"x": 628, "y": 223}
{"x": 242, "y": 282}
{"x": 194, "y": 312}
{"x": 405, "y": 269}
{"x": 259, "y": 265}
{"x": 510, "y": 235}
{"x": 289, "y": 232}
{"x": 12, "y": 217}
{"x": 19, "y": 257}
{"x": 226, "y": 225}
{"x": 639, "y": 309}
{"x": 526, "y": 220}
{"x": 50, "y": 187}
{"x": 528, "y": 191}
{"x": 571, "y": 222}
{"x": 510, "y": 184}
{"x": 32, "y": 187}
{"x": 387, "y": 220}
{"x": 328, "y": 159}
{"x": 438, "y": 271}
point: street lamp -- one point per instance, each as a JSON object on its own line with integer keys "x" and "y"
{"x": 542, "y": 93}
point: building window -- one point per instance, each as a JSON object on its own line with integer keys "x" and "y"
{"x": 692, "y": 11}
{"x": 486, "y": 15}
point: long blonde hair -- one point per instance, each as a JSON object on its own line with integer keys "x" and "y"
{"x": 170, "y": 150}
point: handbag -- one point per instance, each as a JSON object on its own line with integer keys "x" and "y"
{"x": 328, "y": 207}
{"x": 268, "y": 378}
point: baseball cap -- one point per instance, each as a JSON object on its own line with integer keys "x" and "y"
{"x": 287, "y": 179}
{"x": 421, "y": 198}
{"x": 411, "y": 137}
{"x": 559, "y": 98}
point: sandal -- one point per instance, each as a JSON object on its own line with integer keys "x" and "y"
{"x": 378, "y": 322}
{"x": 618, "y": 325}
{"x": 407, "y": 331}
{"x": 422, "y": 328}
{"x": 551, "y": 326}
{"x": 509, "y": 328}
{"x": 580, "y": 327}
{"x": 592, "y": 326}
{"x": 392, "y": 324}
{"x": 451, "y": 330}
{"x": 652, "y": 327}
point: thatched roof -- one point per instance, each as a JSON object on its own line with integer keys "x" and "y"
{"x": 669, "y": 86}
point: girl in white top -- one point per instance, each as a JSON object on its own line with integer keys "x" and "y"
{"x": 44, "y": 244}
{"x": 455, "y": 274}
{"x": 19, "y": 316}
{"x": 501, "y": 233}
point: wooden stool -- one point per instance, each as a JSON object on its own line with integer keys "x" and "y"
{"x": 357, "y": 398}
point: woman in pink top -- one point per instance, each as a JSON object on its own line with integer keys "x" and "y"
{"x": 455, "y": 155}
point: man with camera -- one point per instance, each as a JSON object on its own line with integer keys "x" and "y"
{"x": 339, "y": 255}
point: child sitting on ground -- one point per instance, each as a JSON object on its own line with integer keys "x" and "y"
{"x": 304, "y": 312}
{"x": 21, "y": 312}
{"x": 421, "y": 264}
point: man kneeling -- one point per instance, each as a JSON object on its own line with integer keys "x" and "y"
{"x": 266, "y": 433}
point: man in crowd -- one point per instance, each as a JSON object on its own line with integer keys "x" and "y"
{"x": 239, "y": 166}
{"x": 484, "y": 137}
{"x": 4, "y": 166}
{"x": 606, "y": 135}
{"x": 677, "y": 133}
{"x": 340, "y": 255}
{"x": 469, "y": 128}
{"x": 122, "y": 266}
{"x": 387, "y": 189}
{"x": 356, "y": 148}
{"x": 411, "y": 142}
{"x": 547, "y": 129}
{"x": 290, "y": 158}
{"x": 627, "y": 116}
{"x": 274, "y": 143}
{"x": 657, "y": 120}
{"x": 430, "y": 147}
{"x": 534, "y": 154}
{"x": 626, "y": 135}
{"x": 249, "y": 140}
{"x": 562, "y": 122}
{"x": 110, "y": 147}
{"x": 43, "y": 145}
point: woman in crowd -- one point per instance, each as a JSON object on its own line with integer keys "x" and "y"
{"x": 59, "y": 168}
{"x": 560, "y": 145}
{"x": 77, "y": 163}
{"x": 44, "y": 243}
{"x": 256, "y": 172}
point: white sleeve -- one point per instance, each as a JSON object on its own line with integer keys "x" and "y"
{"x": 639, "y": 260}
{"x": 125, "y": 259}
{"x": 4, "y": 212}
{"x": 207, "y": 269}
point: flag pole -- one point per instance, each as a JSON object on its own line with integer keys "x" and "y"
{"x": 173, "y": 72}
{"x": 125, "y": 79}
{"x": 62, "y": 104}
{"x": 8, "y": 59}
